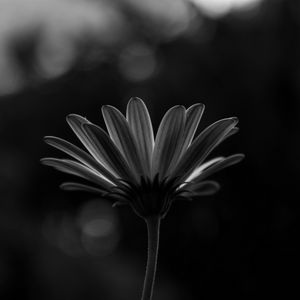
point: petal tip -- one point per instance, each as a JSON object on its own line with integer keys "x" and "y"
{"x": 135, "y": 99}
{"x": 215, "y": 187}
{"x": 65, "y": 187}
{"x": 49, "y": 138}
{"x": 107, "y": 107}
{"x": 74, "y": 117}
{"x": 199, "y": 104}
{"x": 70, "y": 116}
{"x": 177, "y": 108}
{"x": 135, "y": 102}
{"x": 108, "y": 111}
{"x": 235, "y": 120}
{"x": 45, "y": 161}
{"x": 240, "y": 156}
{"x": 46, "y": 138}
{"x": 103, "y": 107}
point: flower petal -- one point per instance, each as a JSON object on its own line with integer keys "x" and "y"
{"x": 140, "y": 123}
{"x": 76, "y": 122}
{"x": 233, "y": 131}
{"x": 80, "y": 155}
{"x": 168, "y": 139}
{"x": 77, "y": 169}
{"x": 101, "y": 143}
{"x": 203, "y": 188}
{"x": 193, "y": 116}
{"x": 226, "y": 162}
{"x": 74, "y": 186}
{"x": 120, "y": 202}
{"x": 206, "y": 141}
{"x": 120, "y": 132}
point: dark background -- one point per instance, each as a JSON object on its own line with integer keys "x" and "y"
{"x": 240, "y": 242}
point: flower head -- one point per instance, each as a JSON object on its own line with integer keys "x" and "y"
{"x": 131, "y": 167}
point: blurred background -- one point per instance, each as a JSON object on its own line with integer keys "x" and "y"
{"x": 239, "y": 57}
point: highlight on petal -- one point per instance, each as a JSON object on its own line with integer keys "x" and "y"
{"x": 140, "y": 123}
{"x": 220, "y": 165}
{"x": 74, "y": 187}
{"x": 200, "y": 169}
{"x": 75, "y": 122}
{"x": 101, "y": 144}
{"x": 120, "y": 132}
{"x": 80, "y": 155}
{"x": 168, "y": 140}
{"x": 206, "y": 141}
{"x": 77, "y": 169}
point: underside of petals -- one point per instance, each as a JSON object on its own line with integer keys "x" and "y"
{"x": 140, "y": 123}
{"x": 206, "y": 141}
{"x": 120, "y": 132}
{"x": 74, "y": 187}
{"x": 101, "y": 143}
{"x": 220, "y": 165}
{"x": 80, "y": 155}
{"x": 168, "y": 140}
{"x": 77, "y": 169}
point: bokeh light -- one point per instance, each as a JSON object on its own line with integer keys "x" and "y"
{"x": 60, "y": 29}
{"x": 218, "y": 8}
{"x": 138, "y": 62}
{"x": 93, "y": 230}
{"x": 99, "y": 228}
{"x": 163, "y": 18}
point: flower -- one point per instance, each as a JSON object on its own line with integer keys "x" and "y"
{"x": 131, "y": 167}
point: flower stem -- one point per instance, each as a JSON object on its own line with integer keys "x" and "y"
{"x": 153, "y": 225}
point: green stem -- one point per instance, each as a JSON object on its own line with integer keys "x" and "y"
{"x": 153, "y": 225}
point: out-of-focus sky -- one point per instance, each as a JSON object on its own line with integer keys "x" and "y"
{"x": 55, "y": 32}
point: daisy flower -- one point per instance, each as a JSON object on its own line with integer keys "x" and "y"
{"x": 128, "y": 165}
